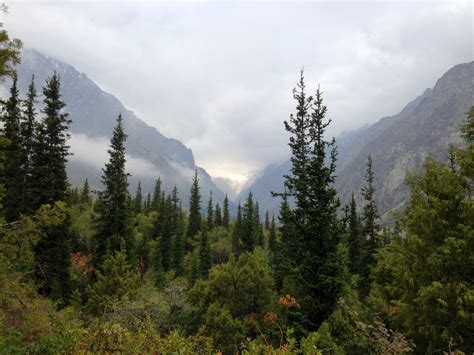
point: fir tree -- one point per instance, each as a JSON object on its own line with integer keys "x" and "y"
{"x": 85, "y": 198}
{"x": 218, "y": 215}
{"x": 27, "y": 129}
{"x": 138, "y": 201}
{"x": 370, "y": 226}
{"x": 166, "y": 237}
{"x": 312, "y": 259}
{"x": 155, "y": 202}
{"x": 147, "y": 207}
{"x": 178, "y": 253}
{"x": 113, "y": 206}
{"x": 50, "y": 149}
{"x": 14, "y": 174}
{"x": 356, "y": 242}
{"x": 194, "y": 223}
{"x": 205, "y": 257}
{"x": 267, "y": 220}
{"x": 237, "y": 233}
{"x": 248, "y": 225}
{"x": 272, "y": 241}
{"x": 210, "y": 213}
{"x": 225, "y": 216}
{"x": 194, "y": 272}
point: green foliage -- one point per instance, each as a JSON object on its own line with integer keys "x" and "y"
{"x": 116, "y": 282}
{"x": 194, "y": 222}
{"x": 225, "y": 215}
{"x": 205, "y": 257}
{"x": 311, "y": 258}
{"x": 113, "y": 223}
{"x": 425, "y": 274}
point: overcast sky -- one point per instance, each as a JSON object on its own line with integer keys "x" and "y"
{"x": 219, "y": 76}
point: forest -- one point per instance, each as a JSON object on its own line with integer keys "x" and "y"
{"x": 120, "y": 272}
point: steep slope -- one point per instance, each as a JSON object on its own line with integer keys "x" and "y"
{"x": 399, "y": 143}
{"x": 93, "y": 113}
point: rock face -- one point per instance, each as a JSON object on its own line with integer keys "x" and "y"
{"x": 397, "y": 144}
{"x": 93, "y": 112}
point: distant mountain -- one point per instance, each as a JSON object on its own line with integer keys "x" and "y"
{"x": 399, "y": 143}
{"x": 93, "y": 112}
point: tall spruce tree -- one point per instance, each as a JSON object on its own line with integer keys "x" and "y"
{"x": 237, "y": 233}
{"x": 267, "y": 220}
{"x": 138, "y": 201}
{"x": 218, "y": 215}
{"x": 155, "y": 202}
{"x": 50, "y": 149}
{"x": 194, "y": 222}
{"x": 166, "y": 237}
{"x": 225, "y": 215}
{"x": 113, "y": 224}
{"x": 313, "y": 260}
{"x": 370, "y": 226}
{"x": 14, "y": 174}
{"x": 248, "y": 225}
{"x": 355, "y": 239}
{"x": 85, "y": 193}
{"x": 210, "y": 213}
{"x": 27, "y": 130}
{"x": 272, "y": 241}
{"x": 49, "y": 158}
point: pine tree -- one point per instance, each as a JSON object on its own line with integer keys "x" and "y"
{"x": 237, "y": 233}
{"x": 113, "y": 206}
{"x": 194, "y": 223}
{"x": 178, "y": 253}
{"x": 210, "y": 213}
{"x": 272, "y": 241}
{"x": 205, "y": 257}
{"x": 85, "y": 198}
{"x": 218, "y": 215}
{"x": 147, "y": 207}
{"x": 51, "y": 149}
{"x": 248, "y": 225}
{"x": 311, "y": 259}
{"x": 356, "y": 242}
{"x": 138, "y": 199}
{"x": 194, "y": 272}
{"x": 155, "y": 202}
{"x": 27, "y": 129}
{"x": 225, "y": 216}
{"x": 370, "y": 226}
{"x": 14, "y": 174}
{"x": 267, "y": 220}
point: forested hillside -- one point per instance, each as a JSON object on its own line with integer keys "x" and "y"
{"x": 122, "y": 271}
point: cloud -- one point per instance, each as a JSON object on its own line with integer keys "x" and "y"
{"x": 93, "y": 151}
{"x": 218, "y": 76}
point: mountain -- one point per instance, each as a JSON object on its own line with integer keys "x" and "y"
{"x": 94, "y": 112}
{"x": 399, "y": 143}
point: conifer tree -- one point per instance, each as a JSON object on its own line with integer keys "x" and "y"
{"x": 194, "y": 223}
{"x": 138, "y": 199}
{"x": 370, "y": 226}
{"x": 49, "y": 158}
{"x": 155, "y": 202}
{"x": 14, "y": 174}
{"x": 113, "y": 206}
{"x": 225, "y": 216}
{"x": 356, "y": 242}
{"x": 85, "y": 198}
{"x": 248, "y": 225}
{"x": 237, "y": 233}
{"x": 267, "y": 220}
{"x": 218, "y": 215}
{"x": 210, "y": 213}
{"x": 205, "y": 257}
{"x": 147, "y": 207}
{"x": 27, "y": 130}
{"x": 178, "y": 253}
{"x": 312, "y": 259}
{"x": 51, "y": 150}
{"x": 272, "y": 241}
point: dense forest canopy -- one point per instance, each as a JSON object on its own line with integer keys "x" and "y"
{"x": 120, "y": 271}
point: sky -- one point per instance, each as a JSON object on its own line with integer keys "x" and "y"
{"x": 219, "y": 75}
